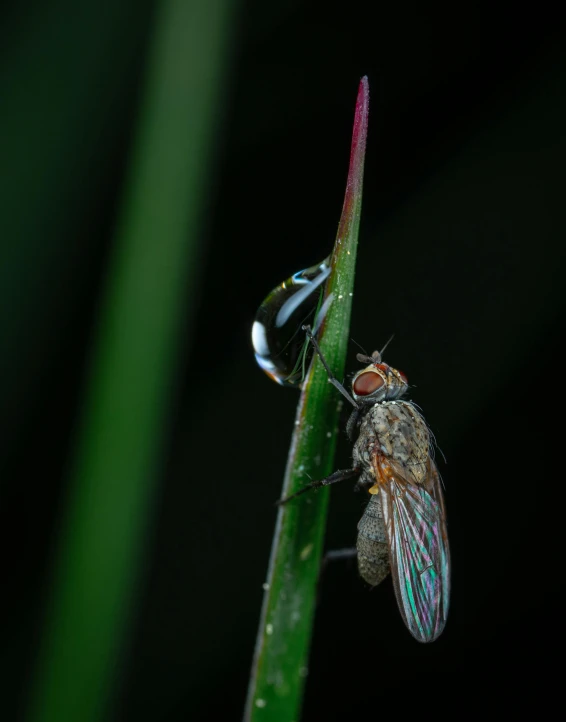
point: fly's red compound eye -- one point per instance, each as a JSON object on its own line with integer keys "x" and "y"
{"x": 367, "y": 383}
{"x": 403, "y": 376}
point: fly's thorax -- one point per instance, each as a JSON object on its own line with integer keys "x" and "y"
{"x": 394, "y": 430}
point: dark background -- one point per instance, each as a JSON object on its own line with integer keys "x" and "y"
{"x": 460, "y": 256}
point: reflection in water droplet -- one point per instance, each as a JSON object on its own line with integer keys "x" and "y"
{"x": 280, "y": 345}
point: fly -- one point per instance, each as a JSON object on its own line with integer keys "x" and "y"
{"x": 403, "y": 529}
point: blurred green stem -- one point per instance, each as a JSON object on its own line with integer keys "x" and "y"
{"x": 128, "y": 393}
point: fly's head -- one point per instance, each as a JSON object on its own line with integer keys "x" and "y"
{"x": 378, "y": 381}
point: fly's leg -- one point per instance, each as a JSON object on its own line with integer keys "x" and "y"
{"x": 335, "y": 554}
{"x": 353, "y": 425}
{"x": 340, "y": 475}
{"x": 333, "y": 380}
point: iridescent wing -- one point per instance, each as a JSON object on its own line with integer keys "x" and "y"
{"x": 415, "y": 522}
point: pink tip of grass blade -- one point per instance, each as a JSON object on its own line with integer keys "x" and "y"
{"x": 353, "y": 195}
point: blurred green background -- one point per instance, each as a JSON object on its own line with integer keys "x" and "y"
{"x": 461, "y": 256}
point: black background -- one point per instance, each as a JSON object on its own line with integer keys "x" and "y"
{"x": 460, "y": 256}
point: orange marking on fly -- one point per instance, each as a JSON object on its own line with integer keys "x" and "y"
{"x": 383, "y": 473}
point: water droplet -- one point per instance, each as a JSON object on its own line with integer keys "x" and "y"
{"x": 260, "y": 703}
{"x": 269, "y": 629}
{"x": 279, "y": 342}
{"x": 265, "y": 586}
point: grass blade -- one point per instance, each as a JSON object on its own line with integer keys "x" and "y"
{"x": 281, "y": 655}
{"x": 129, "y": 387}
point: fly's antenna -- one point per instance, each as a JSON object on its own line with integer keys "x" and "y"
{"x": 376, "y": 356}
{"x": 386, "y": 345}
{"x": 360, "y": 346}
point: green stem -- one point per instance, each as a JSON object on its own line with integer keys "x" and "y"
{"x": 281, "y": 655}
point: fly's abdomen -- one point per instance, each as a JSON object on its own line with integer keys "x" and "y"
{"x": 373, "y": 554}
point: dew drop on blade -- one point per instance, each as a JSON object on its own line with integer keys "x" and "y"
{"x": 279, "y": 342}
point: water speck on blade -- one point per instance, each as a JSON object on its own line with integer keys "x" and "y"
{"x": 306, "y": 552}
{"x": 265, "y": 586}
{"x": 260, "y": 703}
{"x": 269, "y": 628}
